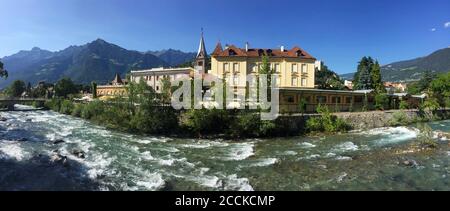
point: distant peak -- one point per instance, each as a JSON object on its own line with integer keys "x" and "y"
{"x": 36, "y": 49}
{"x": 99, "y": 40}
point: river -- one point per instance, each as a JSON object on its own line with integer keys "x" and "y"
{"x": 360, "y": 160}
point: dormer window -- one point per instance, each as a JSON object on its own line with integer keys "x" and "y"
{"x": 232, "y": 52}
{"x": 260, "y": 52}
{"x": 298, "y": 53}
{"x": 269, "y": 52}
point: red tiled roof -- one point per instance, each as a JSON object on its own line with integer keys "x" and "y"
{"x": 258, "y": 52}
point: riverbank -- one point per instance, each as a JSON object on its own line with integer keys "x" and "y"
{"x": 387, "y": 158}
{"x": 234, "y": 124}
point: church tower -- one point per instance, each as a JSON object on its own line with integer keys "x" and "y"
{"x": 201, "y": 61}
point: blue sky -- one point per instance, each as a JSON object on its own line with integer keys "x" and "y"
{"x": 339, "y": 32}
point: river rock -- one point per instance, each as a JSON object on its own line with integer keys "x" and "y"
{"x": 22, "y": 139}
{"x": 410, "y": 163}
{"x": 59, "y": 141}
{"x": 79, "y": 153}
{"x": 28, "y": 120}
{"x": 60, "y": 159}
{"x": 3, "y": 119}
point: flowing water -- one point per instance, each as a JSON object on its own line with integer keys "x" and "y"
{"x": 360, "y": 160}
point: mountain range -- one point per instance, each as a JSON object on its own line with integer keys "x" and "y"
{"x": 412, "y": 70}
{"x": 95, "y": 61}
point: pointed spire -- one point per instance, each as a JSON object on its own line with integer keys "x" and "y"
{"x": 117, "y": 80}
{"x": 201, "y": 49}
{"x": 218, "y": 49}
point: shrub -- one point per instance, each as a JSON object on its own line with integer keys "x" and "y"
{"x": 249, "y": 124}
{"x": 381, "y": 101}
{"x": 92, "y": 109}
{"x": 403, "y": 105}
{"x": 314, "y": 124}
{"x": 53, "y": 104}
{"x": 156, "y": 121}
{"x": 76, "y": 112}
{"x": 399, "y": 118}
{"x": 205, "y": 121}
{"x": 326, "y": 122}
{"x": 66, "y": 107}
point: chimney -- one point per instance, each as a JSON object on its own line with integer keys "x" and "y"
{"x": 246, "y": 47}
{"x": 282, "y": 48}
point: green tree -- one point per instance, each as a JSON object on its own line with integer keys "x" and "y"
{"x": 265, "y": 69}
{"x": 440, "y": 89}
{"x": 166, "y": 91}
{"x": 3, "y": 72}
{"x": 94, "y": 89}
{"x": 422, "y": 85}
{"x": 376, "y": 77}
{"x": 364, "y": 79}
{"x": 16, "y": 88}
{"x": 65, "y": 87}
{"x": 381, "y": 101}
{"x": 328, "y": 79}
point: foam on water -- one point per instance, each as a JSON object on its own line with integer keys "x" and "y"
{"x": 307, "y": 145}
{"x": 147, "y": 156}
{"x": 206, "y": 181}
{"x": 265, "y": 162}
{"x": 233, "y": 183}
{"x": 240, "y": 151}
{"x": 345, "y": 147}
{"x": 11, "y": 150}
{"x": 393, "y": 135}
{"x": 152, "y": 181}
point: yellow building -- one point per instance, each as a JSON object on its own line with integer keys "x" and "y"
{"x": 293, "y": 68}
{"x": 116, "y": 87}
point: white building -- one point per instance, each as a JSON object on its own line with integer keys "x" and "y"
{"x": 153, "y": 77}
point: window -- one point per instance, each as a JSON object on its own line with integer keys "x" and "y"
{"x": 235, "y": 79}
{"x": 226, "y": 67}
{"x": 157, "y": 88}
{"x": 294, "y": 68}
{"x": 254, "y": 68}
{"x": 236, "y": 67}
{"x": 277, "y": 68}
{"x": 348, "y": 100}
{"x": 321, "y": 99}
{"x": 278, "y": 80}
{"x": 304, "y": 82}
{"x": 289, "y": 99}
{"x": 304, "y": 68}
{"x": 294, "y": 81}
{"x": 307, "y": 99}
{"x": 335, "y": 99}
{"x": 358, "y": 99}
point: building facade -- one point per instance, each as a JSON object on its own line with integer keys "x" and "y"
{"x": 153, "y": 77}
{"x": 116, "y": 87}
{"x": 294, "y": 68}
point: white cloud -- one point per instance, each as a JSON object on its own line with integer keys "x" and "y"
{"x": 447, "y": 25}
{"x": 433, "y": 29}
